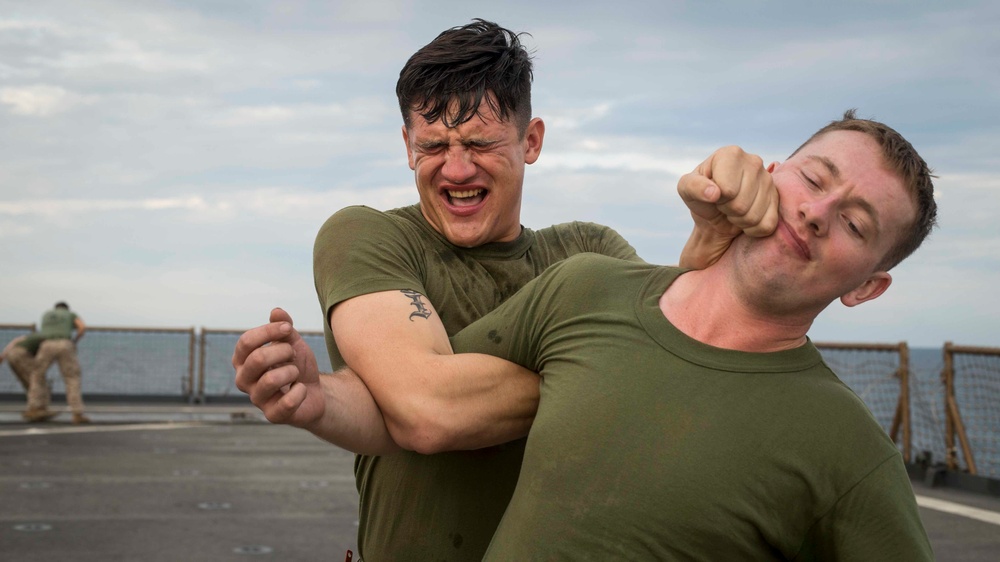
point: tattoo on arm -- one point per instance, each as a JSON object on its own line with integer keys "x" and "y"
{"x": 421, "y": 310}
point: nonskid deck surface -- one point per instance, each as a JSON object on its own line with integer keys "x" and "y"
{"x": 168, "y": 482}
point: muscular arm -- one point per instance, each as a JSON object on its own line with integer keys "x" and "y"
{"x": 351, "y": 420}
{"x": 278, "y": 370}
{"x": 432, "y": 399}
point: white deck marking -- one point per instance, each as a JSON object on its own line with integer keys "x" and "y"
{"x": 96, "y": 428}
{"x": 959, "y": 509}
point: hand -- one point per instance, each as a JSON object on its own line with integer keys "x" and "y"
{"x": 729, "y": 194}
{"x": 278, "y": 370}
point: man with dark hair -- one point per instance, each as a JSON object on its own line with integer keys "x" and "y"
{"x": 686, "y": 415}
{"x": 58, "y": 345}
{"x": 393, "y": 285}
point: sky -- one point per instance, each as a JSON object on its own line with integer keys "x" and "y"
{"x": 168, "y": 163}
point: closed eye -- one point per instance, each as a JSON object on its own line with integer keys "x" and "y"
{"x": 431, "y": 146}
{"x": 480, "y": 144}
{"x": 853, "y": 227}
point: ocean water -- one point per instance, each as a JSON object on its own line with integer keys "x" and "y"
{"x": 183, "y": 364}
{"x": 977, "y": 393}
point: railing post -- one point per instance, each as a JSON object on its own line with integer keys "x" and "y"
{"x": 190, "y": 384}
{"x": 904, "y": 398}
{"x": 947, "y": 377}
{"x": 201, "y": 369}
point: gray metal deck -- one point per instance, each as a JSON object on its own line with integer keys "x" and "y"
{"x": 177, "y": 483}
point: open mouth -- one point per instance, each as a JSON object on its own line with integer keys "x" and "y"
{"x": 467, "y": 198}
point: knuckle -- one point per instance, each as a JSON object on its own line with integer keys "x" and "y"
{"x": 737, "y": 208}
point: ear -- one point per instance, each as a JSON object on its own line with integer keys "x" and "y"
{"x": 771, "y": 167}
{"x": 409, "y": 151}
{"x": 870, "y": 289}
{"x": 533, "y": 137}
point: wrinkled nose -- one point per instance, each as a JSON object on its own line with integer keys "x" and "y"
{"x": 458, "y": 166}
{"x": 815, "y": 213}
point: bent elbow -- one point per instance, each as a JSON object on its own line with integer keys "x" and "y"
{"x": 425, "y": 437}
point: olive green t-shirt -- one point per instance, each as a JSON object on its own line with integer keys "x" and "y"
{"x": 58, "y": 324}
{"x": 649, "y": 445}
{"x": 32, "y": 342}
{"x": 444, "y": 506}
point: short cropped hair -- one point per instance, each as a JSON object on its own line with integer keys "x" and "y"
{"x": 62, "y": 304}
{"x": 901, "y": 158}
{"x": 463, "y": 66}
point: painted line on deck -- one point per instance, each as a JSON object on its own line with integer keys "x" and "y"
{"x": 96, "y": 429}
{"x": 959, "y": 509}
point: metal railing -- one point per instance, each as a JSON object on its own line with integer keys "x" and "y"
{"x": 943, "y": 405}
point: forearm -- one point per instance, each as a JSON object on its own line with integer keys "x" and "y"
{"x": 704, "y": 247}
{"x": 461, "y": 402}
{"x": 351, "y": 419}
{"x": 432, "y": 399}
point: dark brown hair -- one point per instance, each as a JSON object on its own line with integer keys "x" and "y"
{"x": 449, "y": 77}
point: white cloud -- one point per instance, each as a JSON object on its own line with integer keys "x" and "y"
{"x": 64, "y": 207}
{"x": 214, "y": 136}
{"x": 566, "y": 119}
{"x": 622, "y": 161}
{"x": 41, "y": 100}
{"x": 287, "y": 204}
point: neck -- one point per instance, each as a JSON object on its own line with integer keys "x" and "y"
{"x": 715, "y": 308}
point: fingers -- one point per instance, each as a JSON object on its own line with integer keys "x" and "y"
{"x": 699, "y": 194}
{"x": 270, "y": 384}
{"x": 763, "y": 218}
{"x": 734, "y": 170}
{"x": 747, "y": 197}
{"x": 279, "y": 315}
{"x": 262, "y": 361}
{"x": 754, "y": 208}
{"x": 282, "y": 407}
{"x": 697, "y": 187}
{"x": 259, "y": 337}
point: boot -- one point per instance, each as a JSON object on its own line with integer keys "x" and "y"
{"x": 80, "y": 418}
{"x": 38, "y": 415}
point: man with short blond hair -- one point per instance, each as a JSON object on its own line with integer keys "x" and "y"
{"x": 686, "y": 415}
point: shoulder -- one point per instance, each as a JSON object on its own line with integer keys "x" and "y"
{"x": 361, "y": 222}
{"x": 838, "y": 418}
{"x": 579, "y": 236}
{"x": 577, "y": 228}
{"x": 587, "y": 275}
{"x": 591, "y": 264}
{"x": 587, "y": 261}
{"x": 352, "y": 215}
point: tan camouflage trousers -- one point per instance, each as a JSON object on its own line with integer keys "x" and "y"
{"x": 62, "y": 352}
{"x": 22, "y": 363}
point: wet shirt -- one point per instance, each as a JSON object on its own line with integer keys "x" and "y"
{"x": 444, "y": 506}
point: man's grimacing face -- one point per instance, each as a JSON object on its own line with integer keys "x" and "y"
{"x": 841, "y": 211}
{"x": 470, "y": 177}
